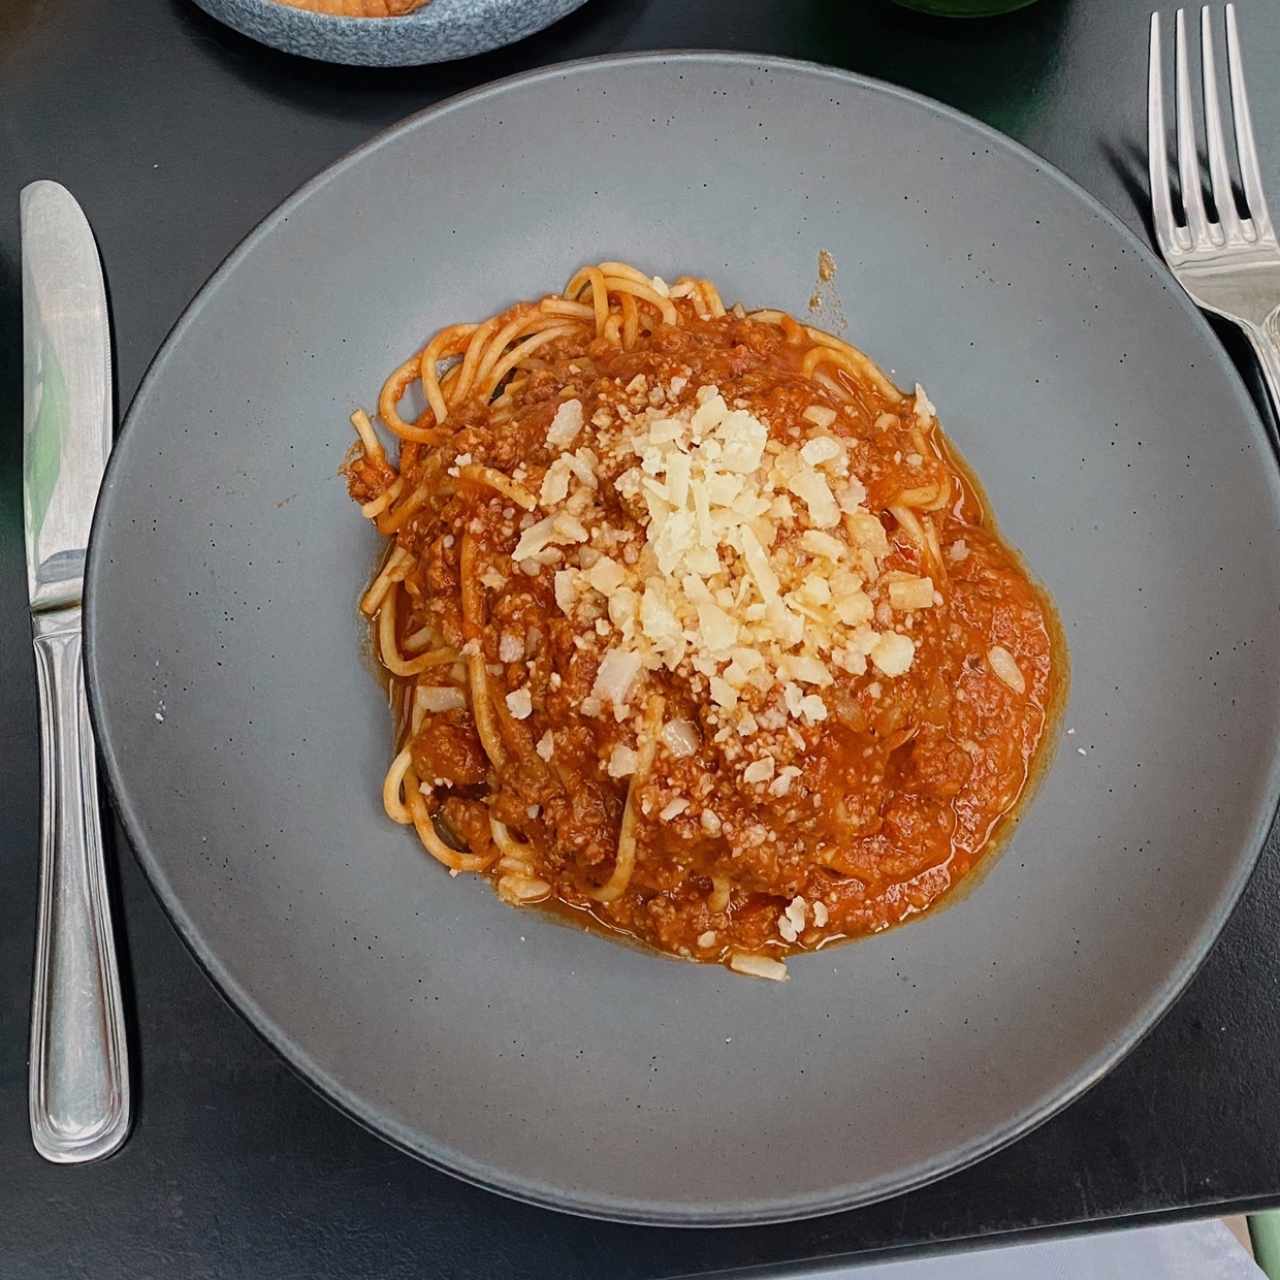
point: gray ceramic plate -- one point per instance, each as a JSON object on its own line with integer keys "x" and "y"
{"x": 246, "y": 739}
{"x": 440, "y": 32}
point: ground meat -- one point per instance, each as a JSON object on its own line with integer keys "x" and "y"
{"x": 447, "y": 747}
{"x": 887, "y": 802}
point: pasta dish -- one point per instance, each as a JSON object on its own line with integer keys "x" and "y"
{"x": 359, "y": 8}
{"x": 694, "y": 623}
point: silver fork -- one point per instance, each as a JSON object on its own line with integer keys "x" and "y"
{"x": 1232, "y": 266}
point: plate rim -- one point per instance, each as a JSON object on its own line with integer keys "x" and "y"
{"x": 343, "y": 40}
{"x": 417, "y": 20}
{"x": 440, "y": 1156}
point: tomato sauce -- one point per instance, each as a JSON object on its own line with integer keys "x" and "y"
{"x": 899, "y": 792}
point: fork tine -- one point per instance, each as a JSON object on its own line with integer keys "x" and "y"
{"x": 1223, "y": 196}
{"x": 1246, "y": 148}
{"x": 1188, "y": 160}
{"x": 1157, "y": 157}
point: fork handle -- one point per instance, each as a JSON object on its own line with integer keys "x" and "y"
{"x": 1266, "y": 345}
{"x": 79, "y": 1073}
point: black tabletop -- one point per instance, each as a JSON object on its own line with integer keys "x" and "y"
{"x": 177, "y": 136}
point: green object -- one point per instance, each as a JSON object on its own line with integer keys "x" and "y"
{"x": 1264, "y": 1235}
{"x": 43, "y": 448}
{"x": 965, "y": 8}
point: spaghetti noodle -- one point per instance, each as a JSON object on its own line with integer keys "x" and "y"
{"x": 693, "y": 621}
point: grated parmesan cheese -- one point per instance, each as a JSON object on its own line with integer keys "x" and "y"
{"x": 822, "y": 544}
{"x": 812, "y": 489}
{"x": 781, "y": 785}
{"x": 615, "y": 676}
{"x": 925, "y": 411}
{"x": 438, "y": 699}
{"x": 893, "y": 653}
{"x": 819, "y": 450}
{"x": 1004, "y": 665}
{"x": 606, "y": 575}
{"x": 911, "y": 593}
{"x": 680, "y": 738}
{"x": 565, "y": 425}
{"x": 520, "y": 703}
{"x": 517, "y": 889}
{"x": 534, "y": 539}
{"x": 756, "y": 572}
{"x": 565, "y": 590}
{"x": 555, "y": 484}
{"x": 756, "y": 966}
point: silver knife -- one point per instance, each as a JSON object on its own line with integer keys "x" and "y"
{"x": 79, "y": 1072}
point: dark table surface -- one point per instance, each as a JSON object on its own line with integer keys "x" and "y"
{"x": 177, "y": 136}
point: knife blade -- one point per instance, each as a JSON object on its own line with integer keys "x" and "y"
{"x": 78, "y": 1072}
{"x": 67, "y": 390}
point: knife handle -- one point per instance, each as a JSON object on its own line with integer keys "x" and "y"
{"x": 79, "y": 1082}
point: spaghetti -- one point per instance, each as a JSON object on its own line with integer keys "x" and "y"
{"x": 694, "y": 623}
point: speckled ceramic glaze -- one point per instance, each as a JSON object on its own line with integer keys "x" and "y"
{"x": 439, "y": 32}
{"x": 245, "y": 737}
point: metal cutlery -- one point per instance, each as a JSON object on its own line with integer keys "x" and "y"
{"x": 1229, "y": 263}
{"x": 79, "y": 1073}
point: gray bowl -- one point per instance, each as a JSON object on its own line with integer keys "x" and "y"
{"x": 246, "y": 741}
{"x": 440, "y": 32}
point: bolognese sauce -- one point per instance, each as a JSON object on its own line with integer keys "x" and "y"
{"x": 695, "y": 623}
